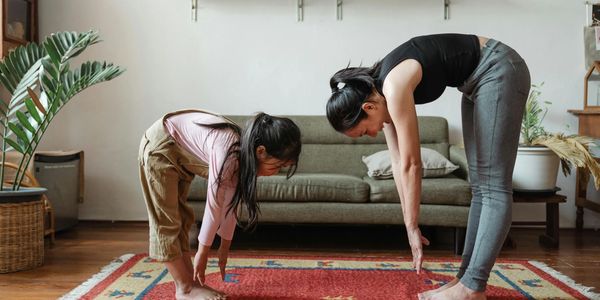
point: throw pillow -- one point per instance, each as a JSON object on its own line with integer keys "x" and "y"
{"x": 434, "y": 164}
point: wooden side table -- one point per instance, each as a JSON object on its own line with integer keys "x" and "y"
{"x": 552, "y": 199}
{"x": 589, "y": 125}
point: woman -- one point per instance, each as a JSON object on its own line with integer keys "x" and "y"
{"x": 195, "y": 142}
{"x": 495, "y": 83}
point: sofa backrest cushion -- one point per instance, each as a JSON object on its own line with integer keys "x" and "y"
{"x": 326, "y": 151}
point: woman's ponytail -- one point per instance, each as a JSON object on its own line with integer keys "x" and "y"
{"x": 344, "y": 105}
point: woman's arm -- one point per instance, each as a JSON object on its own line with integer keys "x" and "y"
{"x": 405, "y": 148}
{"x": 398, "y": 89}
{"x": 391, "y": 139}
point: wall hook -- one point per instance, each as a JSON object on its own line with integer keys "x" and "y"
{"x": 339, "y": 14}
{"x": 446, "y": 9}
{"x": 300, "y": 10}
{"x": 194, "y": 10}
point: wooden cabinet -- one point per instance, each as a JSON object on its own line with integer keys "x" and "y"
{"x": 589, "y": 125}
{"x": 19, "y": 23}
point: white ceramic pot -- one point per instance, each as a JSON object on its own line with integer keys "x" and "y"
{"x": 536, "y": 168}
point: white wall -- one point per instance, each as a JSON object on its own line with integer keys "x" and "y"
{"x": 245, "y": 56}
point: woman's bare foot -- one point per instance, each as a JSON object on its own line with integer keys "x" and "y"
{"x": 426, "y": 295}
{"x": 459, "y": 292}
{"x": 198, "y": 292}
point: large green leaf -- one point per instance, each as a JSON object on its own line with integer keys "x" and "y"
{"x": 18, "y": 63}
{"x": 88, "y": 74}
{"x": 50, "y": 69}
{"x": 63, "y": 46}
{"x": 22, "y": 67}
{"x": 20, "y": 92}
{"x": 15, "y": 146}
{"x": 24, "y": 120}
{"x": 33, "y": 111}
{"x": 44, "y": 70}
{"x": 21, "y": 135}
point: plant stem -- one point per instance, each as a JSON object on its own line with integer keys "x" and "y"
{"x": 40, "y": 132}
{"x": 43, "y": 128}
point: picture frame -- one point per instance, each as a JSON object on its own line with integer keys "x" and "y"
{"x": 19, "y": 21}
{"x": 595, "y": 14}
{"x": 591, "y": 86}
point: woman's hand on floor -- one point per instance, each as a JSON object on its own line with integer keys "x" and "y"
{"x": 416, "y": 241}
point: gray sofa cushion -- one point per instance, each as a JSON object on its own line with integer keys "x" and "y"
{"x": 317, "y": 130}
{"x": 304, "y": 187}
{"x": 449, "y": 190}
{"x": 326, "y": 151}
{"x": 310, "y": 187}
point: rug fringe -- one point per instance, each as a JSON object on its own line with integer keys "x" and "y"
{"x": 85, "y": 287}
{"x": 585, "y": 290}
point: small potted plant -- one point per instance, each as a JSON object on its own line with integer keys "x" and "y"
{"x": 540, "y": 152}
{"x": 40, "y": 81}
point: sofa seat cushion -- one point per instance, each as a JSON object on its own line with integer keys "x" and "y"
{"x": 449, "y": 190}
{"x": 313, "y": 187}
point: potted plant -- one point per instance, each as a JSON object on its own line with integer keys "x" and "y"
{"x": 40, "y": 81}
{"x": 540, "y": 152}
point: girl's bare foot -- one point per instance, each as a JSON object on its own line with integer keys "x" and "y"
{"x": 198, "y": 292}
{"x": 216, "y": 291}
{"x": 427, "y": 295}
{"x": 459, "y": 292}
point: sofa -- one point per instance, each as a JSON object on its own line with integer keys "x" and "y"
{"x": 331, "y": 185}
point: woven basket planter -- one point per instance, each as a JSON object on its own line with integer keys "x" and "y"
{"x": 21, "y": 229}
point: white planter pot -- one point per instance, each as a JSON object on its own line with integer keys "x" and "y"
{"x": 536, "y": 168}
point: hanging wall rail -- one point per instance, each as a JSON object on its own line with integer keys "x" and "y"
{"x": 300, "y": 10}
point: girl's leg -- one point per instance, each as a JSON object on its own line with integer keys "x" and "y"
{"x": 195, "y": 291}
{"x": 182, "y": 275}
{"x": 161, "y": 185}
{"x": 186, "y": 287}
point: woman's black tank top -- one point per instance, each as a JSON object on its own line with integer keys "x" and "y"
{"x": 446, "y": 60}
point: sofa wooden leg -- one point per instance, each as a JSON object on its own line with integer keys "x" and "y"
{"x": 459, "y": 240}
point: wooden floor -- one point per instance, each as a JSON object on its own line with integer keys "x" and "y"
{"x": 81, "y": 252}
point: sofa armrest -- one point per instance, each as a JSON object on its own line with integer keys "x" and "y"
{"x": 459, "y": 158}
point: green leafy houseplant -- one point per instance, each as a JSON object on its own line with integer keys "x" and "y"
{"x": 570, "y": 149}
{"x": 41, "y": 82}
{"x": 531, "y": 127}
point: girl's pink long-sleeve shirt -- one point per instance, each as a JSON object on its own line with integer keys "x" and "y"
{"x": 210, "y": 146}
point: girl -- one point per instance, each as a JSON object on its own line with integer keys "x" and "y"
{"x": 196, "y": 142}
{"x": 495, "y": 83}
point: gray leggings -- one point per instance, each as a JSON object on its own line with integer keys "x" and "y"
{"x": 493, "y": 101}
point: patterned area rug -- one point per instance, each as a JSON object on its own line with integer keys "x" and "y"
{"x": 139, "y": 277}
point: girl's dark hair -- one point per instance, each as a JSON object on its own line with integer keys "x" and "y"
{"x": 344, "y": 105}
{"x": 281, "y": 138}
